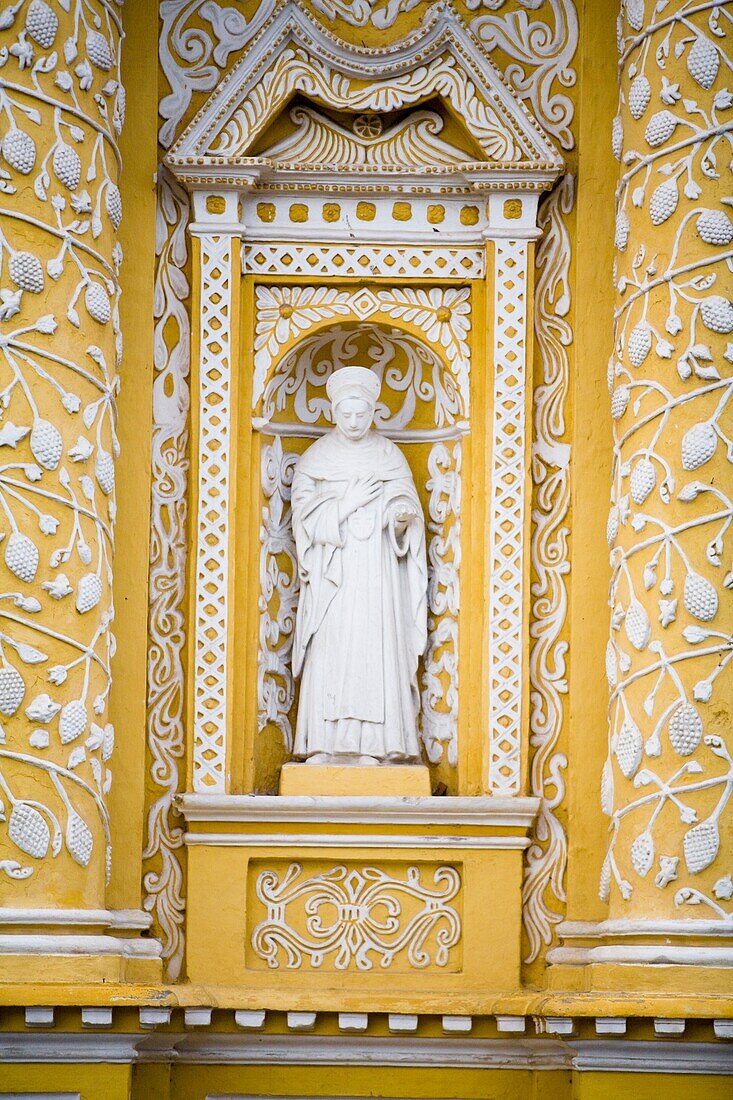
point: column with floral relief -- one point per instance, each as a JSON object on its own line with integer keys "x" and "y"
{"x": 668, "y": 778}
{"x": 61, "y": 112}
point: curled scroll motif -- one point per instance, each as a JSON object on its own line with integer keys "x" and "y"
{"x": 360, "y": 13}
{"x": 354, "y": 916}
{"x": 62, "y": 107}
{"x": 668, "y": 777}
{"x": 439, "y": 728}
{"x": 197, "y": 37}
{"x": 163, "y": 870}
{"x": 540, "y": 53}
{"x": 279, "y": 587}
{"x": 544, "y": 878}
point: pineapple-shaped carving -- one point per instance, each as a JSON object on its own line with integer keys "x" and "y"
{"x": 88, "y": 592}
{"x": 96, "y": 300}
{"x": 46, "y": 444}
{"x": 717, "y": 314}
{"x": 620, "y": 401}
{"x": 629, "y": 749}
{"x": 104, "y": 469}
{"x": 21, "y": 556}
{"x": 98, "y": 51}
{"x": 19, "y": 150}
{"x": 113, "y": 204}
{"x": 41, "y": 23}
{"x": 699, "y": 444}
{"x": 642, "y": 853}
{"x": 703, "y": 62}
{"x": 26, "y": 271}
{"x": 635, "y": 14}
{"x": 640, "y": 93}
{"x": 617, "y": 137}
{"x": 67, "y": 165}
{"x": 28, "y": 830}
{"x": 623, "y": 228}
{"x": 79, "y": 841}
{"x": 607, "y": 789}
{"x": 638, "y": 627}
{"x": 700, "y": 597}
{"x": 701, "y": 845}
{"x": 72, "y": 721}
{"x": 660, "y": 127}
{"x": 643, "y": 480}
{"x": 715, "y": 227}
{"x": 685, "y": 729}
{"x": 12, "y": 690}
{"x": 663, "y": 202}
{"x": 640, "y": 344}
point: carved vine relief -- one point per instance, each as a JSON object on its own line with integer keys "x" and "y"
{"x": 61, "y": 111}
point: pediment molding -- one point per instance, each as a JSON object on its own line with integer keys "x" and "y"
{"x": 293, "y": 54}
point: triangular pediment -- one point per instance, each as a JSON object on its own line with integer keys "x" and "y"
{"x": 294, "y": 56}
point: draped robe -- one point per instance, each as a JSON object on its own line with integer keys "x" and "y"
{"x": 362, "y": 615}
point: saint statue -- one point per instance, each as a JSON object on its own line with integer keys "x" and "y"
{"x": 362, "y": 616}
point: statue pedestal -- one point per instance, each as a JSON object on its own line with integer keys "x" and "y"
{"x": 356, "y": 903}
{"x": 406, "y": 780}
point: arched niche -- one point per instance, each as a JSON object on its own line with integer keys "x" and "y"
{"x": 423, "y": 407}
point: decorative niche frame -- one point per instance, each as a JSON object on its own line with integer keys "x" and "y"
{"x": 378, "y": 184}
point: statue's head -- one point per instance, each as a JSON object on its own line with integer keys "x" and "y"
{"x": 353, "y": 392}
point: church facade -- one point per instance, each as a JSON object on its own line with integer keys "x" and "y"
{"x": 516, "y": 215}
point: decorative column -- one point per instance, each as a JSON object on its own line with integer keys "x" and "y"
{"x": 61, "y": 111}
{"x": 512, "y": 231}
{"x": 217, "y": 229}
{"x": 668, "y": 778}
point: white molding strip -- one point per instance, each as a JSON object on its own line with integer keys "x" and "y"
{"x": 355, "y": 841}
{"x": 121, "y": 919}
{"x": 448, "y": 811}
{"x": 67, "y": 944}
{"x": 644, "y": 941}
{"x": 206, "y": 1048}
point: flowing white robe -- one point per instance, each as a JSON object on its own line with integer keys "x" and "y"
{"x": 362, "y": 616}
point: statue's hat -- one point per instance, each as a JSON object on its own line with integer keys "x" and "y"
{"x": 353, "y": 382}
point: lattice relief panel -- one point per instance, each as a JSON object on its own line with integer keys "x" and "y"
{"x": 507, "y": 503}
{"x": 417, "y": 390}
{"x": 213, "y": 526}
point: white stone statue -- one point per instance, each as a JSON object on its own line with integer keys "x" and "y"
{"x": 362, "y": 616}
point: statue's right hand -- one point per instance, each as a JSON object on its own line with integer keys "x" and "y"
{"x": 361, "y": 491}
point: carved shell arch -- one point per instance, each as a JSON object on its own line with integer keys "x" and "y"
{"x": 415, "y": 339}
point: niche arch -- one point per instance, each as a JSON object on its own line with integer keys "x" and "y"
{"x": 424, "y": 410}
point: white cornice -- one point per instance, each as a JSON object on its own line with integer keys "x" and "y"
{"x": 357, "y": 840}
{"x": 68, "y": 944}
{"x": 439, "y": 812}
{"x": 214, "y": 1048}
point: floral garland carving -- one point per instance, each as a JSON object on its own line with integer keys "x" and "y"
{"x": 61, "y": 110}
{"x": 671, "y": 509}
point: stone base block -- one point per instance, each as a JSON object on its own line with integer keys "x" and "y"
{"x": 356, "y": 903}
{"x": 331, "y": 779}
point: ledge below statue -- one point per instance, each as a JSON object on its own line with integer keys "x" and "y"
{"x": 406, "y": 780}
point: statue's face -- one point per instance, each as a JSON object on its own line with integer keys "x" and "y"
{"x": 353, "y": 417}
